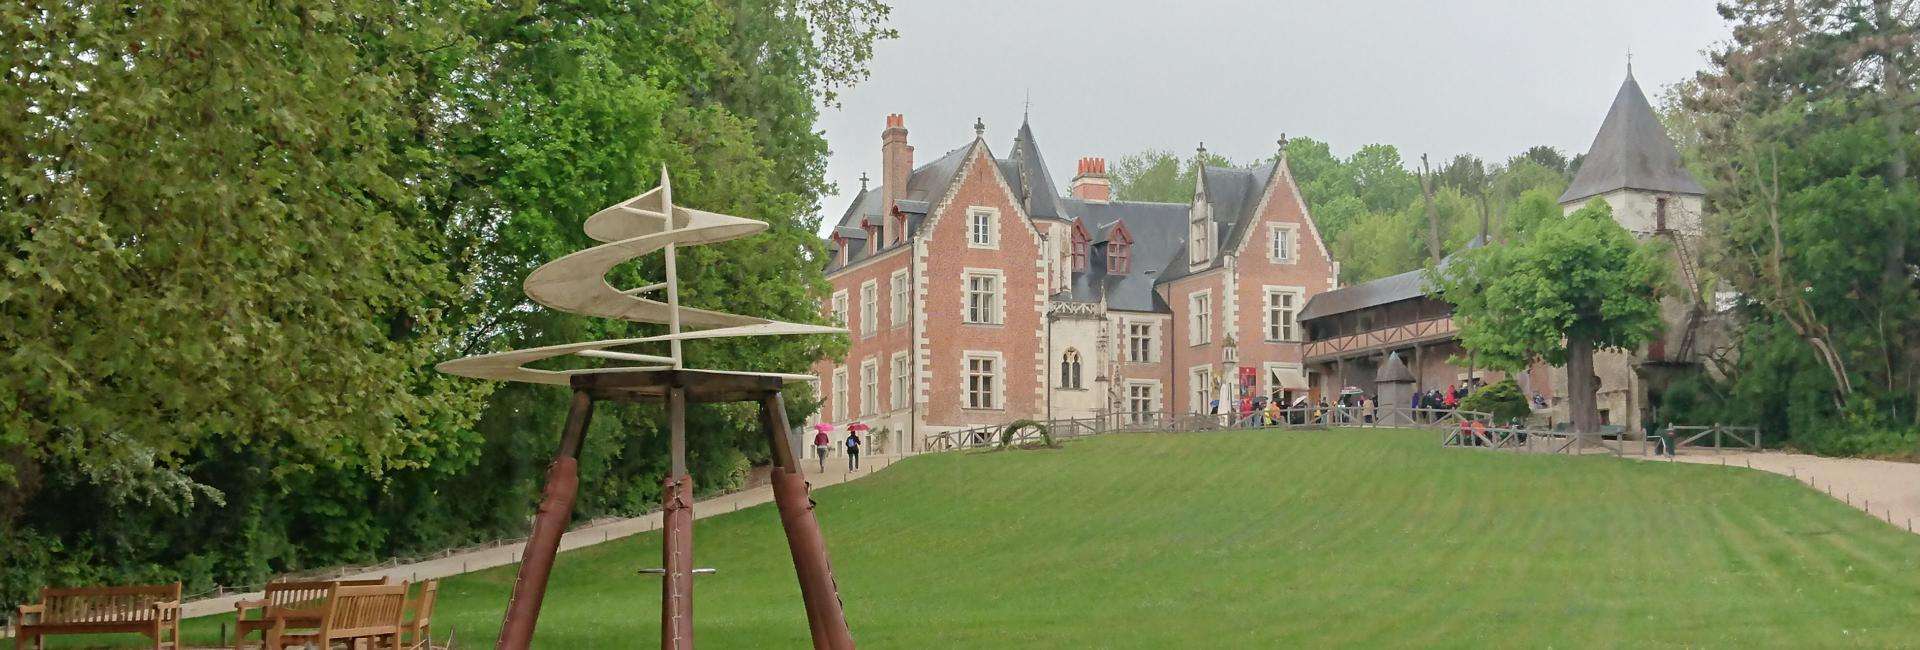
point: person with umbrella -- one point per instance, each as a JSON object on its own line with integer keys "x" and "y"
{"x": 821, "y": 443}
{"x": 853, "y": 445}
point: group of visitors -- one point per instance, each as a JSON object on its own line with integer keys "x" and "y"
{"x": 1435, "y": 403}
{"x": 822, "y": 444}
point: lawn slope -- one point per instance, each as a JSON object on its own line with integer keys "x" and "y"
{"x": 1266, "y": 539}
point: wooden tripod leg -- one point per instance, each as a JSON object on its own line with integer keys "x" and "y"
{"x": 825, "y": 618}
{"x": 676, "y": 548}
{"x": 549, "y": 522}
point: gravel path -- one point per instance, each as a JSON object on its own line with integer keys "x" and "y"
{"x": 586, "y": 536}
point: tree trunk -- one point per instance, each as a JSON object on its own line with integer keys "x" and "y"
{"x": 1433, "y": 214}
{"x": 1893, "y": 91}
{"x": 1583, "y": 388}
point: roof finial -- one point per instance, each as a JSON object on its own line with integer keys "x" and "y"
{"x": 1629, "y": 60}
{"x": 1202, "y": 149}
{"x": 979, "y": 127}
{"x": 863, "y": 181}
{"x": 1028, "y": 109}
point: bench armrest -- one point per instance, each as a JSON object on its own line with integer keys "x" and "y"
{"x": 245, "y": 605}
{"x": 160, "y": 610}
{"x": 30, "y": 614}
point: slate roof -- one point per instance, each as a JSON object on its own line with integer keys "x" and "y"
{"x": 1234, "y": 193}
{"x": 1631, "y": 151}
{"x": 1373, "y": 293}
{"x": 1026, "y": 170}
{"x": 1157, "y": 230}
{"x": 1393, "y": 288}
{"x": 925, "y": 185}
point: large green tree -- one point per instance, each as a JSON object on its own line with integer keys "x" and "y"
{"x": 1806, "y": 131}
{"x": 1159, "y": 175}
{"x": 1584, "y": 284}
{"x": 238, "y": 237}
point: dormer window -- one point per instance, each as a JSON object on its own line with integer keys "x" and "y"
{"x": 1119, "y": 249}
{"x": 899, "y": 226}
{"x": 1080, "y": 246}
{"x": 1119, "y": 258}
{"x": 1199, "y": 244}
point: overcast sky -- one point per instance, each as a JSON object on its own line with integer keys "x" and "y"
{"x": 1119, "y": 76}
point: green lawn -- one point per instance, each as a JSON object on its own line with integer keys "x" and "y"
{"x": 1266, "y": 539}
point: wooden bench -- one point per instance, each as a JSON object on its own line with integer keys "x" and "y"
{"x": 151, "y": 610}
{"x": 352, "y": 612}
{"x": 297, "y": 602}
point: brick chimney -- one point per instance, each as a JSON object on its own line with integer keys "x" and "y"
{"x": 1090, "y": 182}
{"x": 896, "y": 163}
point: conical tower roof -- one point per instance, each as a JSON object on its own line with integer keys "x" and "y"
{"x": 1631, "y": 151}
{"x": 1393, "y": 370}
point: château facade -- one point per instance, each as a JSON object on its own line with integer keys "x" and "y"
{"x": 978, "y": 294}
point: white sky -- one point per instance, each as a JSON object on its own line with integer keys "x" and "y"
{"x": 1116, "y": 77}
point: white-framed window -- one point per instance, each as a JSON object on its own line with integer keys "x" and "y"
{"x": 902, "y": 379}
{"x": 1202, "y": 388}
{"x": 1282, "y": 310}
{"x": 840, "y": 307}
{"x": 984, "y": 384}
{"x": 897, "y": 311}
{"x": 983, "y": 297}
{"x": 1280, "y": 242}
{"x": 1140, "y": 342}
{"x": 983, "y": 227}
{"x": 1070, "y": 369}
{"x": 1142, "y": 401}
{"x": 869, "y": 386}
{"x": 1199, "y": 317}
{"x": 869, "y": 307}
{"x": 839, "y": 397}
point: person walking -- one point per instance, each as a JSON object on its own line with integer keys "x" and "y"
{"x": 853, "y": 451}
{"x": 821, "y": 444}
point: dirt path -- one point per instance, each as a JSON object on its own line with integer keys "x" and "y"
{"x": 586, "y": 536}
{"x": 1888, "y": 490}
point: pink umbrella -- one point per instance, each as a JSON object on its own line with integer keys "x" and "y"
{"x": 857, "y": 426}
{"x": 823, "y": 427}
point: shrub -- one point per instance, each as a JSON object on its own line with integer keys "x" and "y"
{"x": 1503, "y": 400}
{"x": 1006, "y": 434}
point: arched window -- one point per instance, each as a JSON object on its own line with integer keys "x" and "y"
{"x": 1070, "y": 369}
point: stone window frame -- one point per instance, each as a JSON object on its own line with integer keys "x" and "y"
{"x": 1152, "y": 349}
{"x": 1276, "y": 252}
{"x": 900, "y": 367}
{"x": 900, "y": 293}
{"x": 998, "y": 308}
{"x": 1200, "y": 382}
{"x": 839, "y": 396}
{"x": 1267, "y": 312}
{"x": 1199, "y": 317}
{"x": 869, "y": 308}
{"x": 1071, "y": 366}
{"x": 997, "y": 377}
{"x": 839, "y": 306}
{"x": 1153, "y": 398}
{"x": 869, "y": 386}
{"x": 992, "y": 229}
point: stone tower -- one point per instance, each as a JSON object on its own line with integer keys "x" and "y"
{"x": 1635, "y": 168}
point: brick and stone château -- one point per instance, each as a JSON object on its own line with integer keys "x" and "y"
{"x": 976, "y": 293}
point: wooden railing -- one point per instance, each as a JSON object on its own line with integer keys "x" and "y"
{"x": 1375, "y": 340}
{"x": 1153, "y": 421}
{"x": 1469, "y": 433}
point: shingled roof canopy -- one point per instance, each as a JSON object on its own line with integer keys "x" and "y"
{"x": 1631, "y": 151}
